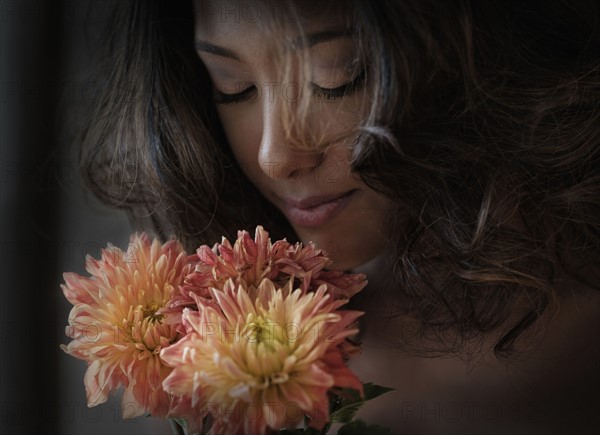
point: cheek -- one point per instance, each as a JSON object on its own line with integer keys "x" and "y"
{"x": 337, "y": 119}
{"x": 243, "y": 130}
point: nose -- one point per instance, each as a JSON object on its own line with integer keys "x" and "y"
{"x": 278, "y": 159}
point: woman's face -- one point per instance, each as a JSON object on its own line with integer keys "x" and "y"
{"x": 324, "y": 202}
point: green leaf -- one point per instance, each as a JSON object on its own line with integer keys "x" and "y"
{"x": 359, "y": 427}
{"x": 372, "y": 391}
{"x": 351, "y": 402}
{"x": 345, "y": 406}
{"x": 346, "y": 414}
{"x": 180, "y": 421}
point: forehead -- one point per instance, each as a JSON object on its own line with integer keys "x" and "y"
{"x": 226, "y": 19}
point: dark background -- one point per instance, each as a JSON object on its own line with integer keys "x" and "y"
{"x": 49, "y": 57}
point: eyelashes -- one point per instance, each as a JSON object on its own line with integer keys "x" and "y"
{"x": 339, "y": 91}
{"x": 223, "y": 98}
{"x": 327, "y": 93}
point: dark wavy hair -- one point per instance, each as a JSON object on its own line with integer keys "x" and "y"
{"x": 484, "y": 128}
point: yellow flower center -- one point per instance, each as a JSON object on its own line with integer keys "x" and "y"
{"x": 260, "y": 330}
{"x": 150, "y": 313}
{"x": 143, "y": 328}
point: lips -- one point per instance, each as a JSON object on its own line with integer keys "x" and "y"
{"x": 314, "y": 211}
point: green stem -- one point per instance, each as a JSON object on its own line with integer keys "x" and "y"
{"x": 177, "y": 428}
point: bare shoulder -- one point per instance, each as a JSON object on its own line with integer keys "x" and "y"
{"x": 550, "y": 386}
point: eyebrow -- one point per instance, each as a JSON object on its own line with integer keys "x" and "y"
{"x": 317, "y": 37}
{"x": 207, "y": 47}
{"x": 311, "y": 40}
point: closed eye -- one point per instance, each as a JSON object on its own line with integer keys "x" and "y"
{"x": 327, "y": 93}
{"x": 339, "y": 91}
{"x": 238, "y": 97}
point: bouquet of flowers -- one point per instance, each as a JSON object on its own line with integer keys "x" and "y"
{"x": 243, "y": 338}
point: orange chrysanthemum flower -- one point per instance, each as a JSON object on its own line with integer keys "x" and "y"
{"x": 250, "y": 261}
{"x": 261, "y": 358}
{"x": 115, "y": 326}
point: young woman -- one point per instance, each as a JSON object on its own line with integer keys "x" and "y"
{"x": 448, "y": 149}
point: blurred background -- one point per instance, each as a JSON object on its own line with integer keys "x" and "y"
{"x": 49, "y": 223}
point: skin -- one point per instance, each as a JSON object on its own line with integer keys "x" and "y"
{"x": 549, "y": 388}
{"x": 238, "y": 54}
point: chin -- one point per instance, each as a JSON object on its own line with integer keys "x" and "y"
{"x": 343, "y": 264}
{"x": 349, "y": 243}
{"x": 346, "y": 255}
